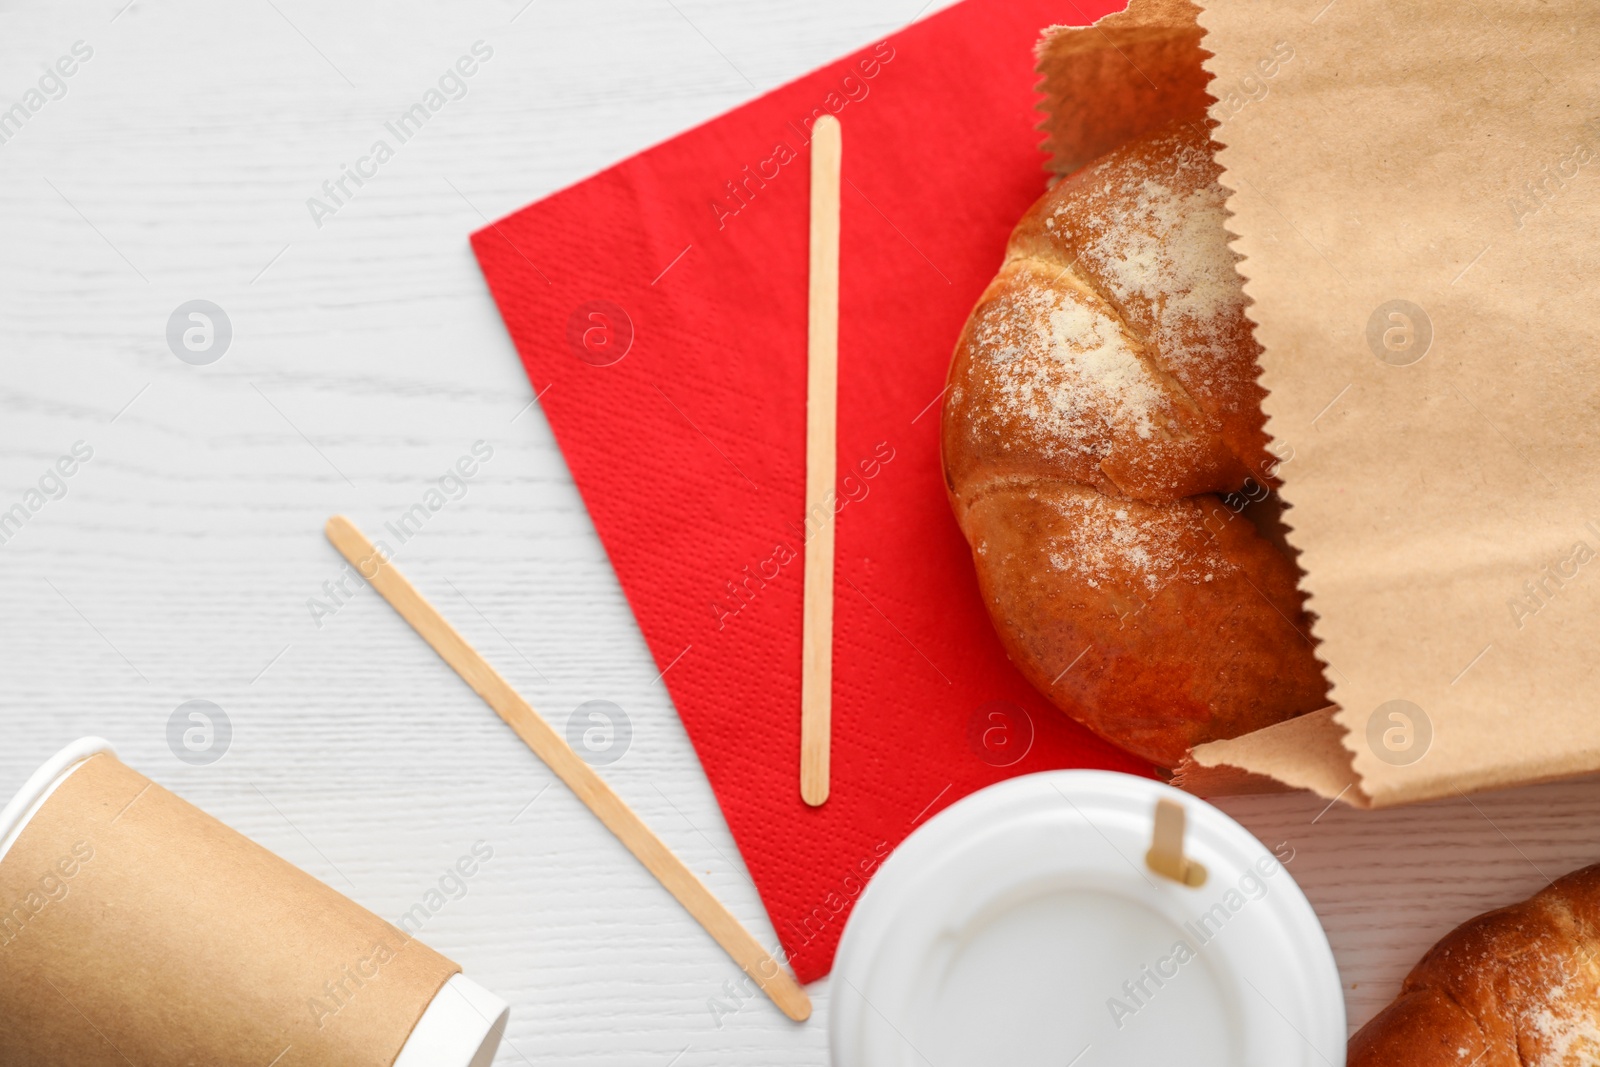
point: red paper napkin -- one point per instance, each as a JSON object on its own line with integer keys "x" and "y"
{"x": 660, "y": 310}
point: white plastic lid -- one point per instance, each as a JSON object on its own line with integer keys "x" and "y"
{"x": 1021, "y": 926}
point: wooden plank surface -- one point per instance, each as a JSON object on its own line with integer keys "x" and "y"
{"x": 366, "y": 360}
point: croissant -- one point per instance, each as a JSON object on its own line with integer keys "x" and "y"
{"x": 1102, "y": 443}
{"x": 1517, "y": 987}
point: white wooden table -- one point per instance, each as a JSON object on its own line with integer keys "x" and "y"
{"x": 365, "y": 358}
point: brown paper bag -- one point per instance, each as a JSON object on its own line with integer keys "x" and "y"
{"x": 1416, "y": 192}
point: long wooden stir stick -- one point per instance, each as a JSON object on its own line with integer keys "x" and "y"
{"x": 822, "y": 388}
{"x": 551, "y": 747}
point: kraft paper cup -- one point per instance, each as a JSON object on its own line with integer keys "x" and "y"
{"x": 135, "y": 928}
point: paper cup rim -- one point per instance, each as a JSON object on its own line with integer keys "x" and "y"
{"x": 461, "y": 1027}
{"x": 37, "y": 789}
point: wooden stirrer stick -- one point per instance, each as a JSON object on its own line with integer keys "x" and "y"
{"x": 551, "y": 747}
{"x": 1166, "y": 856}
{"x": 822, "y": 388}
